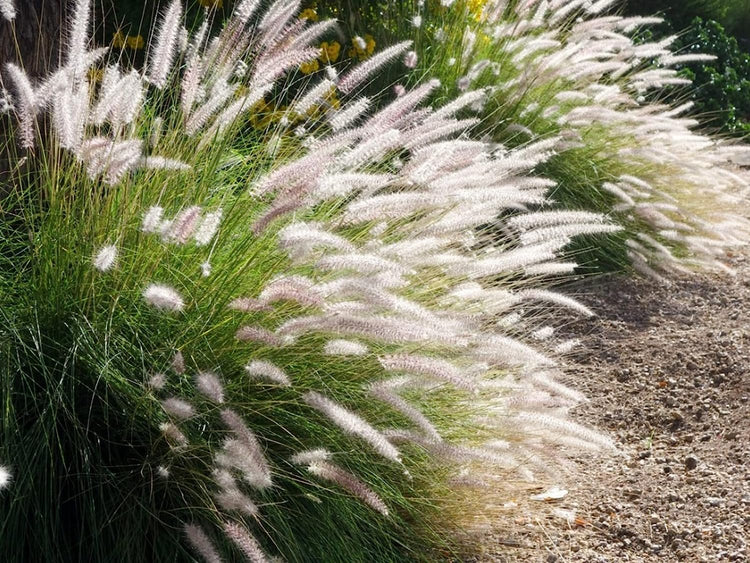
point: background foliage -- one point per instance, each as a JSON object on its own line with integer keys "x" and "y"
{"x": 716, "y": 27}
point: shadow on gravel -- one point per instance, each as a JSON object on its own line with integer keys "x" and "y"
{"x": 667, "y": 371}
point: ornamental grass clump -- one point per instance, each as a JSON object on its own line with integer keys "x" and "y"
{"x": 307, "y": 342}
{"x": 575, "y": 72}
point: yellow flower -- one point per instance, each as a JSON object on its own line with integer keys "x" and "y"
{"x": 135, "y": 41}
{"x": 329, "y": 52}
{"x": 309, "y": 14}
{"x": 118, "y": 39}
{"x": 476, "y": 7}
{"x": 370, "y": 44}
{"x": 211, "y": 3}
{"x": 307, "y": 68}
{"x": 362, "y": 48}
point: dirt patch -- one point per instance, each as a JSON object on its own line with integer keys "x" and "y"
{"x": 667, "y": 372}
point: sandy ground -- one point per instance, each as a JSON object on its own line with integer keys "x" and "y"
{"x": 667, "y": 371}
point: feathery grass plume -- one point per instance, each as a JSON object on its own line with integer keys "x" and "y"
{"x": 201, "y": 543}
{"x": 163, "y": 297}
{"x": 105, "y": 259}
{"x": 178, "y": 363}
{"x": 247, "y": 544}
{"x": 266, "y": 370}
{"x": 240, "y": 456}
{"x": 573, "y": 69}
{"x": 410, "y": 59}
{"x": 5, "y": 477}
{"x": 157, "y": 381}
{"x": 340, "y": 347}
{"x": 120, "y": 98}
{"x": 349, "y": 114}
{"x": 210, "y": 385}
{"x": 359, "y": 74}
{"x": 162, "y": 55}
{"x": 291, "y": 288}
{"x": 563, "y": 427}
{"x": 244, "y": 10}
{"x": 556, "y": 298}
{"x": 245, "y": 452}
{"x": 152, "y": 219}
{"x": 306, "y": 279}
{"x": 386, "y": 392}
{"x": 178, "y": 408}
{"x": 208, "y": 227}
{"x": 248, "y": 304}
{"x": 78, "y": 39}
{"x": 353, "y": 424}
{"x": 258, "y": 334}
{"x": 313, "y": 97}
{"x": 25, "y": 103}
{"x": 173, "y": 433}
{"x": 331, "y": 472}
{"x": 230, "y": 497}
{"x": 420, "y": 365}
{"x": 183, "y": 225}
{"x": 8, "y": 10}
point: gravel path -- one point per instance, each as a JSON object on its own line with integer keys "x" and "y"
{"x": 667, "y": 371}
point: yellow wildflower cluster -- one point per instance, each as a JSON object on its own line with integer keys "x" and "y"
{"x": 329, "y": 51}
{"x": 362, "y": 47}
{"x": 264, "y": 115}
{"x": 309, "y": 14}
{"x": 309, "y": 67}
{"x": 120, "y": 40}
{"x": 476, "y": 7}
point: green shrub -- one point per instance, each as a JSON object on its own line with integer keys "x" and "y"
{"x": 721, "y": 88}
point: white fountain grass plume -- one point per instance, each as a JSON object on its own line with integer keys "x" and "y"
{"x": 120, "y": 100}
{"x": 209, "y": 384}
{"x": 266, "y": 370}
{"x": 318, "y": 465}
{"x": 201, "y": 543}
{"x": 26, "y": 104}
{"x": 163, "y": 297}
{"x": 78, "y": 39}
{"x": 585, "y": 75}
{"x": 338, "y": 299}
{"x": 358, "y": 75}
{"x": 246, "y": 543}
{"x": 245, "y": 9}
{"x": 8, "y": 10}
{"x": 106, "y": 258}
{"x": 353, "y": 424}
{"x": 6, "y": 477}
{"x": 230, "y": 497}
